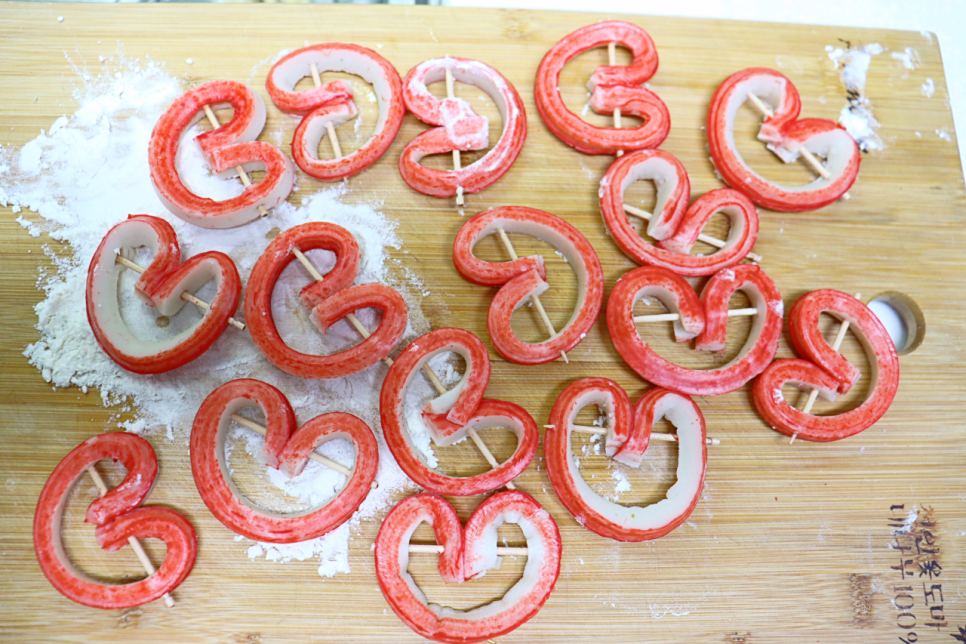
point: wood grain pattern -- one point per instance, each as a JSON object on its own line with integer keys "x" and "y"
{"x": 789, "y": 544}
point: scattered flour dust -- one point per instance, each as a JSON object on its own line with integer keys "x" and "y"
{"x": 856, "y": 116}
{"x": 77, "y": 198}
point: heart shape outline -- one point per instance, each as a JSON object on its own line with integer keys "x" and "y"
{"x": 785, "y": 135}
{"x": 524, "y": 277}
{"x": 674, "y": 224}
{"x": 287, "y": 448}
{"x": 160, "y": 285}
{"x": 827, "y": 370}
{"x": 117, "y": 517}
{"x": 226, "y": 147}
{"x": 628, "y": 435}
{"x": 705, "y": 320}
{"x": 333, "y": 103}
{"x": 459, "y": 127}
{"x": 468, "y": 553}
{"x": 330, "y": 300}
{"x": 449, "y": 415}
{"x": 612, "y": 87}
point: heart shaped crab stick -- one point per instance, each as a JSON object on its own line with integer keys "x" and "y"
{"x": 453, "y": 414}
{"x": 230, "y": 150}
{"x": 325, "y": 107}
{"x": 458, "y": 127}
{"x": 706, "y": 320}
{"x": 615, "y": 90}
{"x": 118, "y": 519}
{"x": 628, "y": 435}
{"x": 468, "y": 554}
{"x": 673, "y": 223}
{"x": 524, "y": 278}
{"x": 287, "y": 448}
{"x": 330, "y": 299}
{"x": 165, "y": 284}
{"x": 826, "y": 371}
{"x": 786, "y": 136}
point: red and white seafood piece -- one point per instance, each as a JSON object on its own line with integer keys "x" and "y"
{"x": 828, "y": 371}
{"x": 450, "y": 415}
{"x": 612, "y": 88}
{"x": 333, "y": 104}
{"x": 458, "y": 127}
{"x": 287, "y": 448}
{"x": 705, "y": 320}
{"x": 468, "y": 554}
{"x": 160, "y": 286}
{"x": 524, "y": 277}
{"x": 117, "y": 517}
{"x": 786, "y": 136}
{"x": 628, "y": 434}
{"x": 227, "y": 147}
{"x": 674, "y": 223}
{"x": 330, "y": 300}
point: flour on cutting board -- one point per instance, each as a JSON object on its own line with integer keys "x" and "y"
{"x": 856, "y": 117}
{"x": 86, "y": 174}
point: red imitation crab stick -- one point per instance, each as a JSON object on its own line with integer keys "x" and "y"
{"x": 230, "y": 150}
{"x": 787, "y": 136}
{"x": 468, "y": 554}
{"x": 287, "y": 448}
{"x": 675, "y": 224}
{"x": 628, "y": 435}
{"x": 453, "y": 414}
{"x": 330, "y": 298}
{"x": 525, "y": 278}
{"x": 118, "y": 519}
{"x": 826, "y": 371}
{"x": 165, "y": 284}
{"x": 325, "y": 107}
{"x": 459, "y": 128}
{"x": 615, "y": 90}
{"x": 705, "y": 320}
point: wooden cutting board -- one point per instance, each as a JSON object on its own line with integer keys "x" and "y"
{"x": 789, "y": 543}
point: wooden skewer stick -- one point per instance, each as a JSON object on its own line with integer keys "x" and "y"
{"x": 717, "y": 243}
{"x": 427, "y": 370}
{"x": 612, "y": 61}
{"x": 315, "y": 456}
{"x": 186, "y": 296}
{"x": 132, "y": 541}
{"x": 659, "y": 436}
{"x": 533, "y": 298}
{"x": 433, "y": 548}
{"x": 329, "y": 128}
{"x": 813, "y": 394}
{"x": 808, "y": 156}
{"x": 674, "y": 317}
{"x": 215, "y": 124}
{"x": 457, "y": 162}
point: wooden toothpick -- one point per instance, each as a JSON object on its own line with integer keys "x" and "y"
{"x": 836, "y": 344}
{"x": 717, "y": 243}
{"x": 433, "y": 548}
{"x": 612, "y": 61}
{"x": 215, "y": 124}
{"x": 674, "y": 317}
{"x": 329, "y": 128}
{"x": 186, "y": 296}
{"x": 427, "y": 370}
{"x": 132, "y": 541}
{"x": 533, "y": 298}
{"x": 660, "y": 436}
{"x": 315, "y": 456}
{"x": 457, "y": 162}
{"x": 808, "y": 156}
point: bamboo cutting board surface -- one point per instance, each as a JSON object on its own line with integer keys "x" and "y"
{"x": 789, "y": 543}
